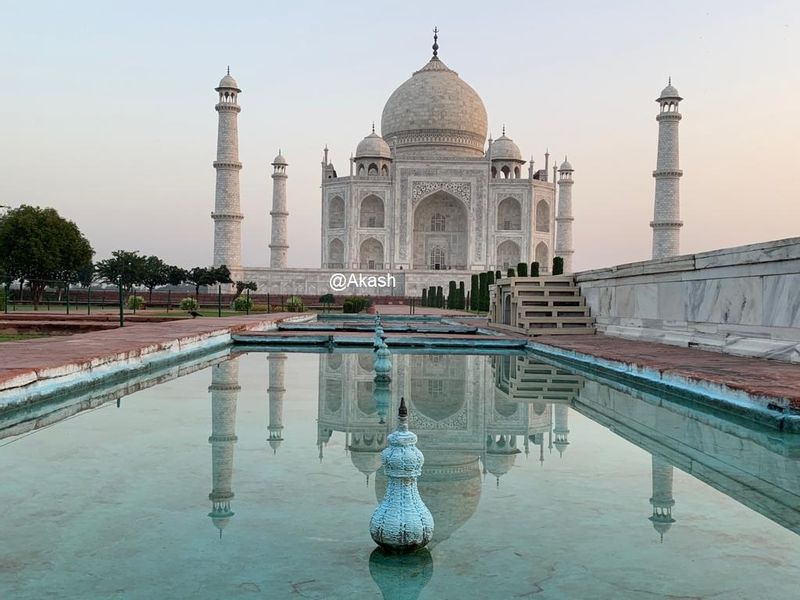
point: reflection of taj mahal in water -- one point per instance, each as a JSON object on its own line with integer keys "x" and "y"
{"x": 473, "y": 415}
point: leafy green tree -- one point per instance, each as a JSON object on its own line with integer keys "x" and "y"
{"x": 125, "y": 267}
{"x": 207, "y": 276}
{"x": 86, "y": 275}
{"x": 327, "y": 300}
{"x": 37, "y": 245}
{"x": 241, "y": 286}
{"x": 155, "y": 273}
{"x": 176, "y": 275}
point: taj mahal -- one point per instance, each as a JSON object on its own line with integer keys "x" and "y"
{"x": 432, "y": 198}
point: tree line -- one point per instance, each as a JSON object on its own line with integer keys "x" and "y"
{"x": 40, "y": 249}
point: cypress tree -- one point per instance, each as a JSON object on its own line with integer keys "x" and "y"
{"x": 483, "y": 290}
{"x": 534, "y": 269}
{"x": 490, "y": 277}
{"x": 461, "y": 303}
{"x": 439, "y": 297}
{"x": 497, "y": 275}
{"x": 558, "y": 265}
{"x": 452, "y": 295}
{"x": 510, "y": 272}
{"x": 474, "y": 293}
{"x": 522, "y": 269}
{"x": 432, "y": 296}
{"x": 424, "y": 297}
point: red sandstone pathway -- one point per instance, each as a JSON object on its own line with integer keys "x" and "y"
{"x": 755, "y": 376}
{"x": 24, "y": 361}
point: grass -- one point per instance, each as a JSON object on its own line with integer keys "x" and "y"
{"x": 16, "y": 337}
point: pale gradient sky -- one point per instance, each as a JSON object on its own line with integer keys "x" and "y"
{"x": 108, "y": 110}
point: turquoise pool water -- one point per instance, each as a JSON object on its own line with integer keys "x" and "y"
{"x": 256, "y": 478}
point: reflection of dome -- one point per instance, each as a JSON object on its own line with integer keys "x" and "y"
{"x": 366, "y": 460}
{"x": 501, "y": 454}
{"x": 221, "y": 516}
{"x": 435, "y": 111}
{"x": 401, "y": 576}
{"x": 450, "y": 486}
{"x": 373, "y": 146}
{"x": 504, "y": 148}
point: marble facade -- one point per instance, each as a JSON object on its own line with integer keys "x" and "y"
{"x": 743, "y": 300}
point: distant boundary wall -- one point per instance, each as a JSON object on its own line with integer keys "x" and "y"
{"x": 743, "y": 300}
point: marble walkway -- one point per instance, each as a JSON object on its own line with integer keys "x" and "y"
{"x": 755, "y": 376}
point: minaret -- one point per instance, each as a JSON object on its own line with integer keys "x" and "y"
{"x": 277, "y": 368}
{"x": 224, "y": 390}
{"x": 564, "y": 216}
{"x": 279, "y": 244}
{"x": 560, "y": 427}
{"x": 662, "y": 500}
{"x": 666, "y": 221}
{"x": 227, "y": 216}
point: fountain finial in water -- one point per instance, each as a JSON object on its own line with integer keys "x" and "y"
{"x": 402, "y": 523}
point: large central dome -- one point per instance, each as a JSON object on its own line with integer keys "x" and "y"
{"x": 435, "y": 113}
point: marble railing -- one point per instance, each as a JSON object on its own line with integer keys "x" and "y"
{"x": 743, "y": 300}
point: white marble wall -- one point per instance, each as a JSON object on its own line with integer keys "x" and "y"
{"x": 743, "y": 300}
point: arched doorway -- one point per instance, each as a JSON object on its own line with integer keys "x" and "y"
{"x": 441, "y": 232}
{"x": 543, "y": 257}
{"x": 370, "y": 255}
{"x": 336, "y": 254}
{"x": 508, "y": 254}
{"x": 371, "y": 214}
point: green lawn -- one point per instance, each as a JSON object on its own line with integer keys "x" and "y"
{"x": 16, "y": 337}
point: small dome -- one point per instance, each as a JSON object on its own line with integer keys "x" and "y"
{"x": 565, "y": 166}
{"x": 279, "y": 160}
{"x": 228, "y": 82}
{"x": 373, "y": 146}
{"x": 504, "y": 148}
{"x": 669, "y": 93}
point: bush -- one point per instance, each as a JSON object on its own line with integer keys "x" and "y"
{"x": 424, "y": 297}
{"x": 188, "y": 304}
{"x": 522, "y": 269}
{"x": 510, "y": 272}
{"x": 534, "y": 269}
{"x": 558, "y": 265}
{"x": 295, "y": 304}
{"x": 355, "y": 304}
{"x": 135, "y": 302}
{"x": 243, "y": 304}
{"x": 326, "y": 299}
{"x": 474, "y": 292}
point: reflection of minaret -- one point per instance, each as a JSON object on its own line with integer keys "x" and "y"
{"x": 277, "y": 367}
{"x": 500, "y": 455}
{"x": 662, "y": 499}
{"x": 224, "y": 390}
{"x": 560, "y": 428}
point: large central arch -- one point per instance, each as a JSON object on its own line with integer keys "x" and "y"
{"x": 441, "y": 233}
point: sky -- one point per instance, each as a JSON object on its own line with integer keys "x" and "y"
{"x": 108, "y": 110}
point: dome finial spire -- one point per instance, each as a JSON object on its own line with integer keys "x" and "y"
{"x": 373, "y": 127}
{"x": 504, "y": 128}
{"x": 435, "y": 41}
{"x": 229, "y": 69}
{"x": 669, "y": 80}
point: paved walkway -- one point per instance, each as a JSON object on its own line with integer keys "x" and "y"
{"x": 23, "y": 362}
{"x": 755, "y": 376}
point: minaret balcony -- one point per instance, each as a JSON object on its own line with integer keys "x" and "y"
{"x": 668, "y": 173}
{"x": 227, "y": 216}
{"x": 227, "y": 164}
{"x": 228, "y": 107}
{"x": 665, "y": 224}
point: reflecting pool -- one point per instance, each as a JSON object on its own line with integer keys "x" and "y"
{"x": 255, "y": 476}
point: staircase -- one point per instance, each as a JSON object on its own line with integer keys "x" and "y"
{"x": 540, "y": 306}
